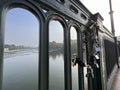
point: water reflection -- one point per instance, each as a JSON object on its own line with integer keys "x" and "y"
{"x": 20, "y": 72}
{"x": 54, "y": 55}
{"x": 56, "y": 58}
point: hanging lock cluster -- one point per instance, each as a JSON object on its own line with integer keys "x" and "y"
{"x": 92, "y": 64}
{"x": 92, "y": 42}
{"x": 94, "y": 49}
{"x": 77, "y": 61}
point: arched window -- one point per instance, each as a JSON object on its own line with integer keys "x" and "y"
{"x": 56, "y": 56}
{"x": 74, "y": 54}
{"x": 21, "y": 45}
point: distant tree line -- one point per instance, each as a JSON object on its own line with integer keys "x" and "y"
{"x": 13, "y": 47}
{"x": 53, "y": 46}
{"x": 59, "y": 47}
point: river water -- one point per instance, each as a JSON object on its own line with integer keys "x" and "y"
{"x": 21, "y": 71}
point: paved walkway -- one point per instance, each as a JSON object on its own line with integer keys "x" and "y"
{"x": 117, "y": 81}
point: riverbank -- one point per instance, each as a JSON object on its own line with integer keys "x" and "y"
{"x": 10, "y": 51}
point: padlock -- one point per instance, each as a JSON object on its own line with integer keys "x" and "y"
{"x": 97, "y": 57}
{"x": 94, "y": 37}
{"x": 80, "y": 62}
{"x": 97, "y": 49}
{"x": 73, "y": 62}
{"x": 92, "y": 59}
{"x": 77, "y": 61}
{"x": 91, "y": 26}
{"x": 90, "y": 72}
{"x": 95, "y": 62}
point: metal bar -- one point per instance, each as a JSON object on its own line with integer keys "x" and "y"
{"x": 80, "y": 54}
{"x": 67, "y": 61}
{"x": 2, "y": 24}
{"x": 44, "y": 63}
{"x": 117, "y": 52}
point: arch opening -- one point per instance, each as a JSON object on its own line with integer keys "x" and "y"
{"x": 21, "y": 49}
{"x": 56, "y": 55}
{"x": 74, "y": 55}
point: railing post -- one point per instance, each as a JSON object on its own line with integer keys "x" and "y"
{"x": 113, "y": 30}
{"x": 81, "y": 72}
{"x": 1, "y": 44}
{"x": 116, "y": 50}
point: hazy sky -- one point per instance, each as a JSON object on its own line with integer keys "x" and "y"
{"x": 22, "y": 27}
{"x": 56, "y": 32}
{"x": 102, "y": 6}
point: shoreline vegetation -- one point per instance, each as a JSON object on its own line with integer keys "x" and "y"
{"x": 11, "y": 48}
{"x": 54, "y": 47}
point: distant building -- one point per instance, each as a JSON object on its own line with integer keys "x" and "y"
{"x": 6, "y": 49}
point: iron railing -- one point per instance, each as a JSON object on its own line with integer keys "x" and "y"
{"x": 110, "y": 56}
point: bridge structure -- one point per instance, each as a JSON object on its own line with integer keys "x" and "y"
{"x": 97, "y": 49}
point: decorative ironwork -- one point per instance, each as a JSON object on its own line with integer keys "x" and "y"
{"x": 67, "y": 12}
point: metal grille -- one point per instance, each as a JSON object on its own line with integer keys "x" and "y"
{"x": 110, "y": 56}
{"x": 119, "y": 47}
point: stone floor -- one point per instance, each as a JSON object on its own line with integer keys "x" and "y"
{"x": 116, "y": 83}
